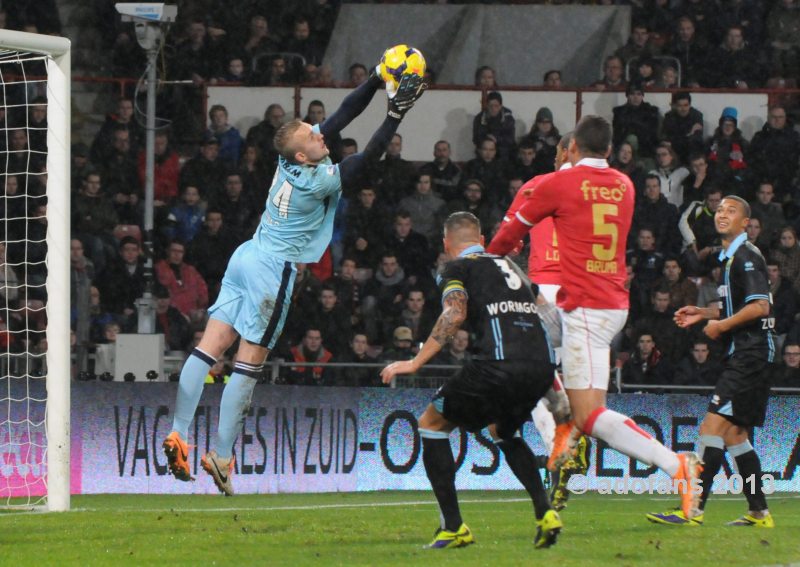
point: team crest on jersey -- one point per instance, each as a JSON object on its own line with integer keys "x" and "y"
{"x": 331, "y": 169}
{"x": 715, "y": 400}
{"x": 748, "y": 266}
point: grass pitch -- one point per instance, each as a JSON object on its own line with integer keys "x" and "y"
{"x": 385, "y": 529}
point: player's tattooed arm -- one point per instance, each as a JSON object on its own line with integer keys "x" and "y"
{"x": 454, "y": 312}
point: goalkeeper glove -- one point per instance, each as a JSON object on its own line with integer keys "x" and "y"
{"x": 408, "y": 91}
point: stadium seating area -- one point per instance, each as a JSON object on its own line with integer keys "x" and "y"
{"x": 373, "y": 295}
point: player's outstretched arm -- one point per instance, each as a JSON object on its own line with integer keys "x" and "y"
{"x": 454, "y": 313}
{"x": 353, "y": 105}
{"x": 507, "y": 238}
{"x": 410, "y": 89}
{"x": 690, "y": 314}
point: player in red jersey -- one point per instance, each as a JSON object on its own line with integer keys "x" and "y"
{"x": 552, "y": 413}
{"x": 591, "y": 206}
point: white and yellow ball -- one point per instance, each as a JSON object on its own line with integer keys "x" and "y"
{"x": 398, "y": 61}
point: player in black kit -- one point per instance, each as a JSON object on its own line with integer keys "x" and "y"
{"x": 511, "y": 369}
{"x": 742, "y": 391}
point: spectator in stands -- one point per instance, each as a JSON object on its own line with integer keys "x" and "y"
{"x": 638, "y": 46}
{"x": 362, "y": 377}
{"x": 552, "y": 79}
{"x": 403, "y": 347}
{"x": 124, "y": 281}
{"x": 728, "y": 147}
{"x": 235, "y": 71}
{"x": 697, "y": 369}
{"x": 98, "y": 319}
{"x": 258, "y": 40}
{"x": 309, "y": 352}
{"x": 9, "y": 281}
{"x": 613, "y": 75}
{"x": 754, "y": 236}
{"x": 682, "y": 291}
{"x": 426, "y": 210}
{"x": 456, "y": 352}
{"x": 13, "y": 210}
{"x": 123, "y": 117}
{"x": 303, "y": 42}
{"x": 708, "y": 288}
{"x": 690, "y": 50}
{"x": 646, "y": 260}
{"x": 412, "y": 248}
{"x": 783, "y": 33}
{"x": 365, "y": 226}
{"x": 307, "y": 289}
{"x": 254, "y": 171}
{"x": 525, "y": 166}
{"x": 349, "y": 291}
{"x": 333, "y": 321}
{"x": 394, "y": 176}
{"x": 349, "y": 147}
{"x": 239, "y": 212}
{"x": 746, "y": 14}
{"x": 625, "y": 161}
{"x": 683, "y": 126}
{"x": 121, "y": 178}
{"x": 414, "y": 316}
{"x": 166, "y": 173}
{"x": 788, "y": 375}
{"x": 697, "y": 225}
{"x": 383, "y": 295}
{"x": 230, "y": 141}
{"x": 197, "y": 57}
{"x": 315, "y": 114}
{"x": 357, "y": 74}
{"x": 545, "y": 137}
{"x": 646, "y": 364}
{"x": 775, "y": 150}
{"x": 487, "y": 168}
{"x": 784, "y": 301}
{"x": 19, "y": 158}
{"x": 638, "y": 118}
{"x": 273, "y": 71}
{"x": 495, "y": 122}
{"x": 660, "y": 216}
{"x": 733, "y": 64}
{"x": 671, "y": 339}
{"x": 32, "y": 252}
{"x": 94, "y": 218}
{"x": 700, "y": 179}
{"x": 475, "y": 203}
{"x": 81, "y": 274}
{"x": 485, "y": 78}
{"x": 704, "y": 14}
{"x": 787, "y": 255}
{"x": 645, "y": 73}
{"x": 37, "y": 124}
{"x": 206, "y": 170}
{"x": 445, "y": 174}
{"x": 210, "y": 250}
{"x": 170, "y": 321}
{"x": 768, "y": 212}
{"x": 187, "y": 216}
{"x": 668, "y": 78}
{"x": 186, "y": 286}
{"x": 80, "y": 165}
{"x": 671, "y": 173}
{"x": 262, "y": 134}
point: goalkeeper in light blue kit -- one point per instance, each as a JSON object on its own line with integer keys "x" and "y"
{"x": 257, "y": 288}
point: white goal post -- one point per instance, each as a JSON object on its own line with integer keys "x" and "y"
{"x": 56, "y": 455}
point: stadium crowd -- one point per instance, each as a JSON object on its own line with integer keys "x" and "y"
{"x": 373, "y": 296}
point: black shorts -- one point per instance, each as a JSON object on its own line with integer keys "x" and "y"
{"x": 499, "y": 392}
{"x": 742, "y": 391}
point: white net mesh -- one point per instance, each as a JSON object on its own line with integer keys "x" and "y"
{"x": 23, "y": 271}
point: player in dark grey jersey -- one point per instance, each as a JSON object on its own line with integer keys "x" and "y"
{"x": 745, "y": 323}
{"x": 511, "y": 369}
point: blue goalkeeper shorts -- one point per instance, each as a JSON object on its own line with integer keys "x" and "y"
{"x": 255, "y": 295}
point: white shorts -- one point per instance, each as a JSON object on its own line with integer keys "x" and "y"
{"x": 549, "y": 292}
{"x": 585, "y": 346}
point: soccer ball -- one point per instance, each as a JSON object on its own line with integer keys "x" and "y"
{"x": 398, "y": 61}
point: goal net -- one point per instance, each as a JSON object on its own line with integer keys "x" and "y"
{"x": 34, "y": 272}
